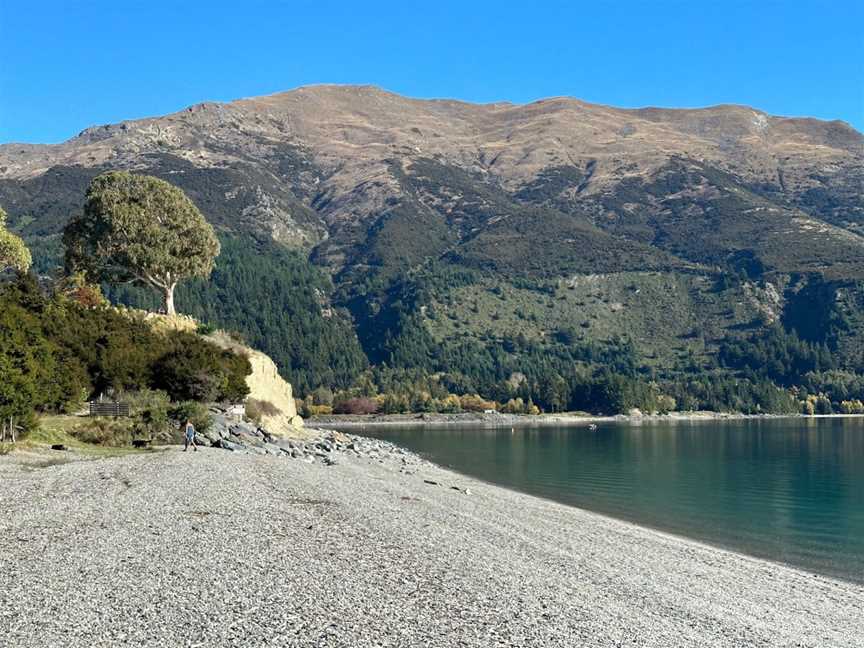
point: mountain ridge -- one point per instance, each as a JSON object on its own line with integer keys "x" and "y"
{"x": 391, "y": 194}
{"x": 648, "y": 114}
{"x": 647, "y": 109}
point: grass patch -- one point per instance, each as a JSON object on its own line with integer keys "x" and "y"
{"x": 57, "y": 429}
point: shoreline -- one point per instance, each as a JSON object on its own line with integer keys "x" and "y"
{"x": 384, "y": 550}
{"x": 496, "y": 420}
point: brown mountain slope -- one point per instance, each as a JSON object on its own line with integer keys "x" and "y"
{"x": 355, "y": 128}
{"x": 331, "y": 163}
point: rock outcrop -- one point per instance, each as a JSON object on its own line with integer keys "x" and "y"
{"x": 272, "y": 395}
{"x": 271, "y": 399}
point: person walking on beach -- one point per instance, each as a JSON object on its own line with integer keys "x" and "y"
{"x": 189, "y": 437}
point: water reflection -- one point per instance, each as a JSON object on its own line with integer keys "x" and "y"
{"x": 787, "y": 490}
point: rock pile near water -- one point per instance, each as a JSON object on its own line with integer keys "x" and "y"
{"x": 322, "y": 446}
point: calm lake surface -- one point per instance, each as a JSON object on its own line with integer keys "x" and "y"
{"x": 788, "y": 490}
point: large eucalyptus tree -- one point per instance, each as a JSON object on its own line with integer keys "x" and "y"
{"x": 140, "y": 229}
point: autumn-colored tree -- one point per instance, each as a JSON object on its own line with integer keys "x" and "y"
{"x": 474, "y": 403}
{"x": 140, "y": 229}
{"x": 13, "y": 253}
{"x": 76, "y": 287}
{"x": 359, "y": 405}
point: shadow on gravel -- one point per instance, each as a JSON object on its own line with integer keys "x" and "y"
{"x": 32, "y": 466}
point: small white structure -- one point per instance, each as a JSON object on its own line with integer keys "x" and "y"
{"x": 237, "y": 411}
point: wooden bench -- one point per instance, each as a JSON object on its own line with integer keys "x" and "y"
{"x": 108, "y": 408}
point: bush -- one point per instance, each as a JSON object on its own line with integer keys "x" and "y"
{"x": 319, "y": 410}
{"x": 205, "y": 328}
{"x": 395, "y": 404}
{"x": 198, "y": 370}
{"x": 105, "y": 431}
{"x": 518, "y": 406}
{"x": 451, "y": 404}
{"x": 361, "y": 405}
{"x": 192, "y": 411}
{"x": 76, "y": 288}
{"x": 852, "y": 407}
{"x": 37, "y": 373}
{"x": 308, "y": 408}
{"x": 665, "y": 404}
{"x": 150, "y": 409}
{"x": 474, "y": 403}
{"x": 117, "y": 351}
{"x": 57, "y": 349}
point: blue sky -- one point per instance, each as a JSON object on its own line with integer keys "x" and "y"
{"x": 68, "y": 65}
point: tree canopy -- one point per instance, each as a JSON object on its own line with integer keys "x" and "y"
{"x": 57, "y": 350}
{"x": 140, "y": 229}
{"x": 13, "y": 253}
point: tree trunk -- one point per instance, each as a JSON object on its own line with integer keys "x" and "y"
{"x": 169, "y": 300}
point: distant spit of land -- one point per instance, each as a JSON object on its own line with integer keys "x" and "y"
{"x": 496, "y": 419}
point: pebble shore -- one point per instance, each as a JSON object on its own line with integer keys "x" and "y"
{"x": 363, "y": 544}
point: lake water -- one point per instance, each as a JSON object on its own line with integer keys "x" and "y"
{"x": 788, "y": 490}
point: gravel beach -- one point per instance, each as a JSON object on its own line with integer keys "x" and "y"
{"x": 214, "y": 548}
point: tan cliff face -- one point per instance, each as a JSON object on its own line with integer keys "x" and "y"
{"x": 267, "y": 386}
{"x": 269, "y": 393}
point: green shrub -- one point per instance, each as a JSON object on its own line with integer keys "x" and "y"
{"x": 117, "y": 351}
{"x": 198, "y": 370}
{"x": 149, "y": 409}
{"x": 205, "y": 328}
{"x": 105, "y": 431}
{"x": 55, "y": 352}
{"x": 36, "y": 373}
{"x": 192, "y": 411}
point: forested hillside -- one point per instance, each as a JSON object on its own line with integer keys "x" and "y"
{"x": 398, "y": 254}
{"x": 279, "y": 303}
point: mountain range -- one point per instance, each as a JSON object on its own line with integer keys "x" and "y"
{"x": 557, "y": 222}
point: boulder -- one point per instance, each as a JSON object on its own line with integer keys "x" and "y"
{"x": 211, "y": 435}
{"x": 202, "y": 440}
{"x": 272, "y": 449}
{"x": 251, "y": 441}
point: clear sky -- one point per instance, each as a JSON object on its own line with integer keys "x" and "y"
{"x": 68, "y": 65}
